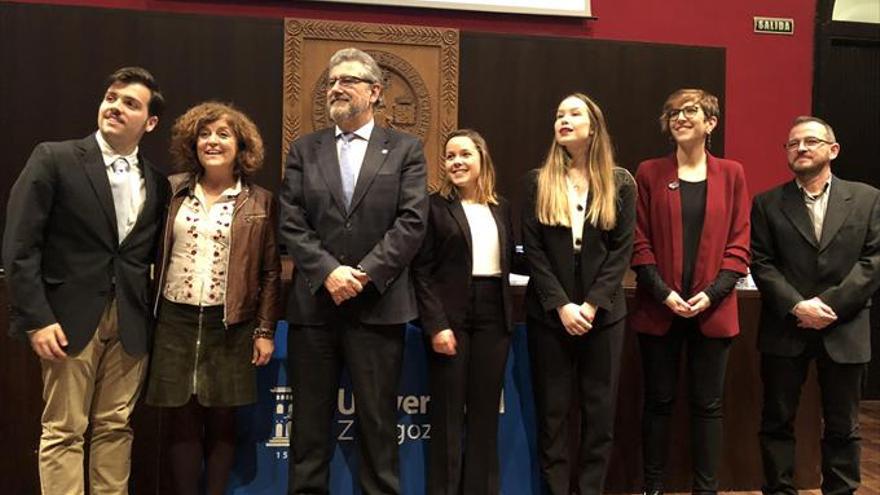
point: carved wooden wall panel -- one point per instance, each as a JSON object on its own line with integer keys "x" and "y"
{"x": 420, "y": 93}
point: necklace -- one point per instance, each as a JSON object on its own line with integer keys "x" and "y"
{"x": 579, "y": 184}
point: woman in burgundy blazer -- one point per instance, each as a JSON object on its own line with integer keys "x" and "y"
{"x": 691, "y": 246}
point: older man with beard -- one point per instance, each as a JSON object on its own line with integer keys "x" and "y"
{"x": 353, "y": 209}
{"x": 815, "y": 259}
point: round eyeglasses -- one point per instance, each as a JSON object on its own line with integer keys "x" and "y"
{"x": 689, "y": 112}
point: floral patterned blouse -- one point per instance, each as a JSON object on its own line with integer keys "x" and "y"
{"x": 200, "y": 249}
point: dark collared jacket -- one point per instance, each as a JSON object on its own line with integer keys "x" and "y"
{"x": 380, "y": 231}
{"x": 604, "y": 258}
{"x": 442, "y": 269}
{"x": 61, "y": 248}
{"x": 842, "y": 268}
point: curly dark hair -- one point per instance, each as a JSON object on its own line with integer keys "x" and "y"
{"x": 185, "y": 133}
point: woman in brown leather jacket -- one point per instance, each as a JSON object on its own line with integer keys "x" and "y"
{"x": 219, "y": 291}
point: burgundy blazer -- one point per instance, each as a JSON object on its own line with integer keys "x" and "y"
{"x": 724, "y": 242}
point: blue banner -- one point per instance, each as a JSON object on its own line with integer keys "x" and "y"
{"x": 263, "y": 428}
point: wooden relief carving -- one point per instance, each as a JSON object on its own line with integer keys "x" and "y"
{"x": 420, "y": 67}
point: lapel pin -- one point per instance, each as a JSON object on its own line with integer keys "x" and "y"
{"x": 673, "y": 185}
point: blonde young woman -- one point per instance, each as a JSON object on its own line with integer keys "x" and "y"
{"x": 461, "y": 280}
{"x": 578, "y": 232}
{"x": 219, "y": 292}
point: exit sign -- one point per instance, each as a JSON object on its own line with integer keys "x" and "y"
{"x": 774, "y": 25}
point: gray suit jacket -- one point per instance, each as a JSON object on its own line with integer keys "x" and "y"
{"x": 381, "y": 232}
{"x": 843, "y": 267}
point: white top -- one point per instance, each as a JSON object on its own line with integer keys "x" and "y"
{"x": 358, "y": 146}
{"x": 577, "y": 212}
{"x": 137, "y": 184}
{"x": 485, "y": 246}
{"x": 199, "y": 254}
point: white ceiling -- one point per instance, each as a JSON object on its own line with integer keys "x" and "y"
{"x": 856, "y": 11}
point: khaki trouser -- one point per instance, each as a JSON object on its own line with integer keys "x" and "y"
{"x": 98, "y": 386}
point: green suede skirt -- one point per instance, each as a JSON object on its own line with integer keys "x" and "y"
{"x": 194, "y": 354}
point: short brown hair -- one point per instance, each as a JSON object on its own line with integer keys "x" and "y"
{"x": 706, "y": 100}
{"x": 803, "y": 119}
{"x": 185, "y": 133}
{"x": 139, "y": 75}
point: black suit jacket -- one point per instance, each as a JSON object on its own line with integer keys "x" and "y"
{"x": 789, "y": 265}
{"x": 442, "y": 270}
{"x": 605, "y": 257}
{"x": 61, "y": 250}
{"x": 381, "y": 233}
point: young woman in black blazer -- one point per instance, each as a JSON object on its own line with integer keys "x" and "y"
{"x": 578, "y": 233}
{"x": 461, "y": 281}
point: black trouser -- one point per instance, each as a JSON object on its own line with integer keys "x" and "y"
{"x": 706, "y": 364}
{"x": 841, "y": 389}
{"x": 373, "y": 355}
{"x": 470, "y": 380}
{"x": 590, "y": 364}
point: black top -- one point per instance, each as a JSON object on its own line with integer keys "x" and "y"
{"x": 693, "y": 211}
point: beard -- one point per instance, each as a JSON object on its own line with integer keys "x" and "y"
{"x": 806, "y": 170}
{"x": 806, "y": 166}
{"x": 341, "y": 110}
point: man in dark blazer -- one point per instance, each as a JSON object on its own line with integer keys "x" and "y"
{"x": 81, "y": 229}
{"x": 353, "y": 210}
{"x": 815, "y": 259}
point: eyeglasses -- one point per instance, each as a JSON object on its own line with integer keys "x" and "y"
{"x": 810, "y": 143}
{"x": 347, "y": 81}
{"x": 689, "y": 112}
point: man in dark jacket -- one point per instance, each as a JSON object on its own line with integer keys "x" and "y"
{"x": 81, "y": 230}
{"x": 815, "y": 259}
{"x": 353, "y": 210}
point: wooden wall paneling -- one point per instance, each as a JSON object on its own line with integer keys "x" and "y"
{"x": 55, "y": 60}
{"x": 511, "y": 86}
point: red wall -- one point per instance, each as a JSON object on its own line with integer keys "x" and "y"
{"x": 769, "y": 77}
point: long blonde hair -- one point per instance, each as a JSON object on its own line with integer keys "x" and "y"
{"x": 551, "y": 206}
{"x": 486, "y": 181}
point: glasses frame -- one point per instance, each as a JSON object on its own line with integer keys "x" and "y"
{"x": 673, "y": 113}
{"x": 795, "y": 144}
{"x": 346, "y": 81}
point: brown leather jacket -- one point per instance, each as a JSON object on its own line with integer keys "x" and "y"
{"x": 253, "y": 276}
